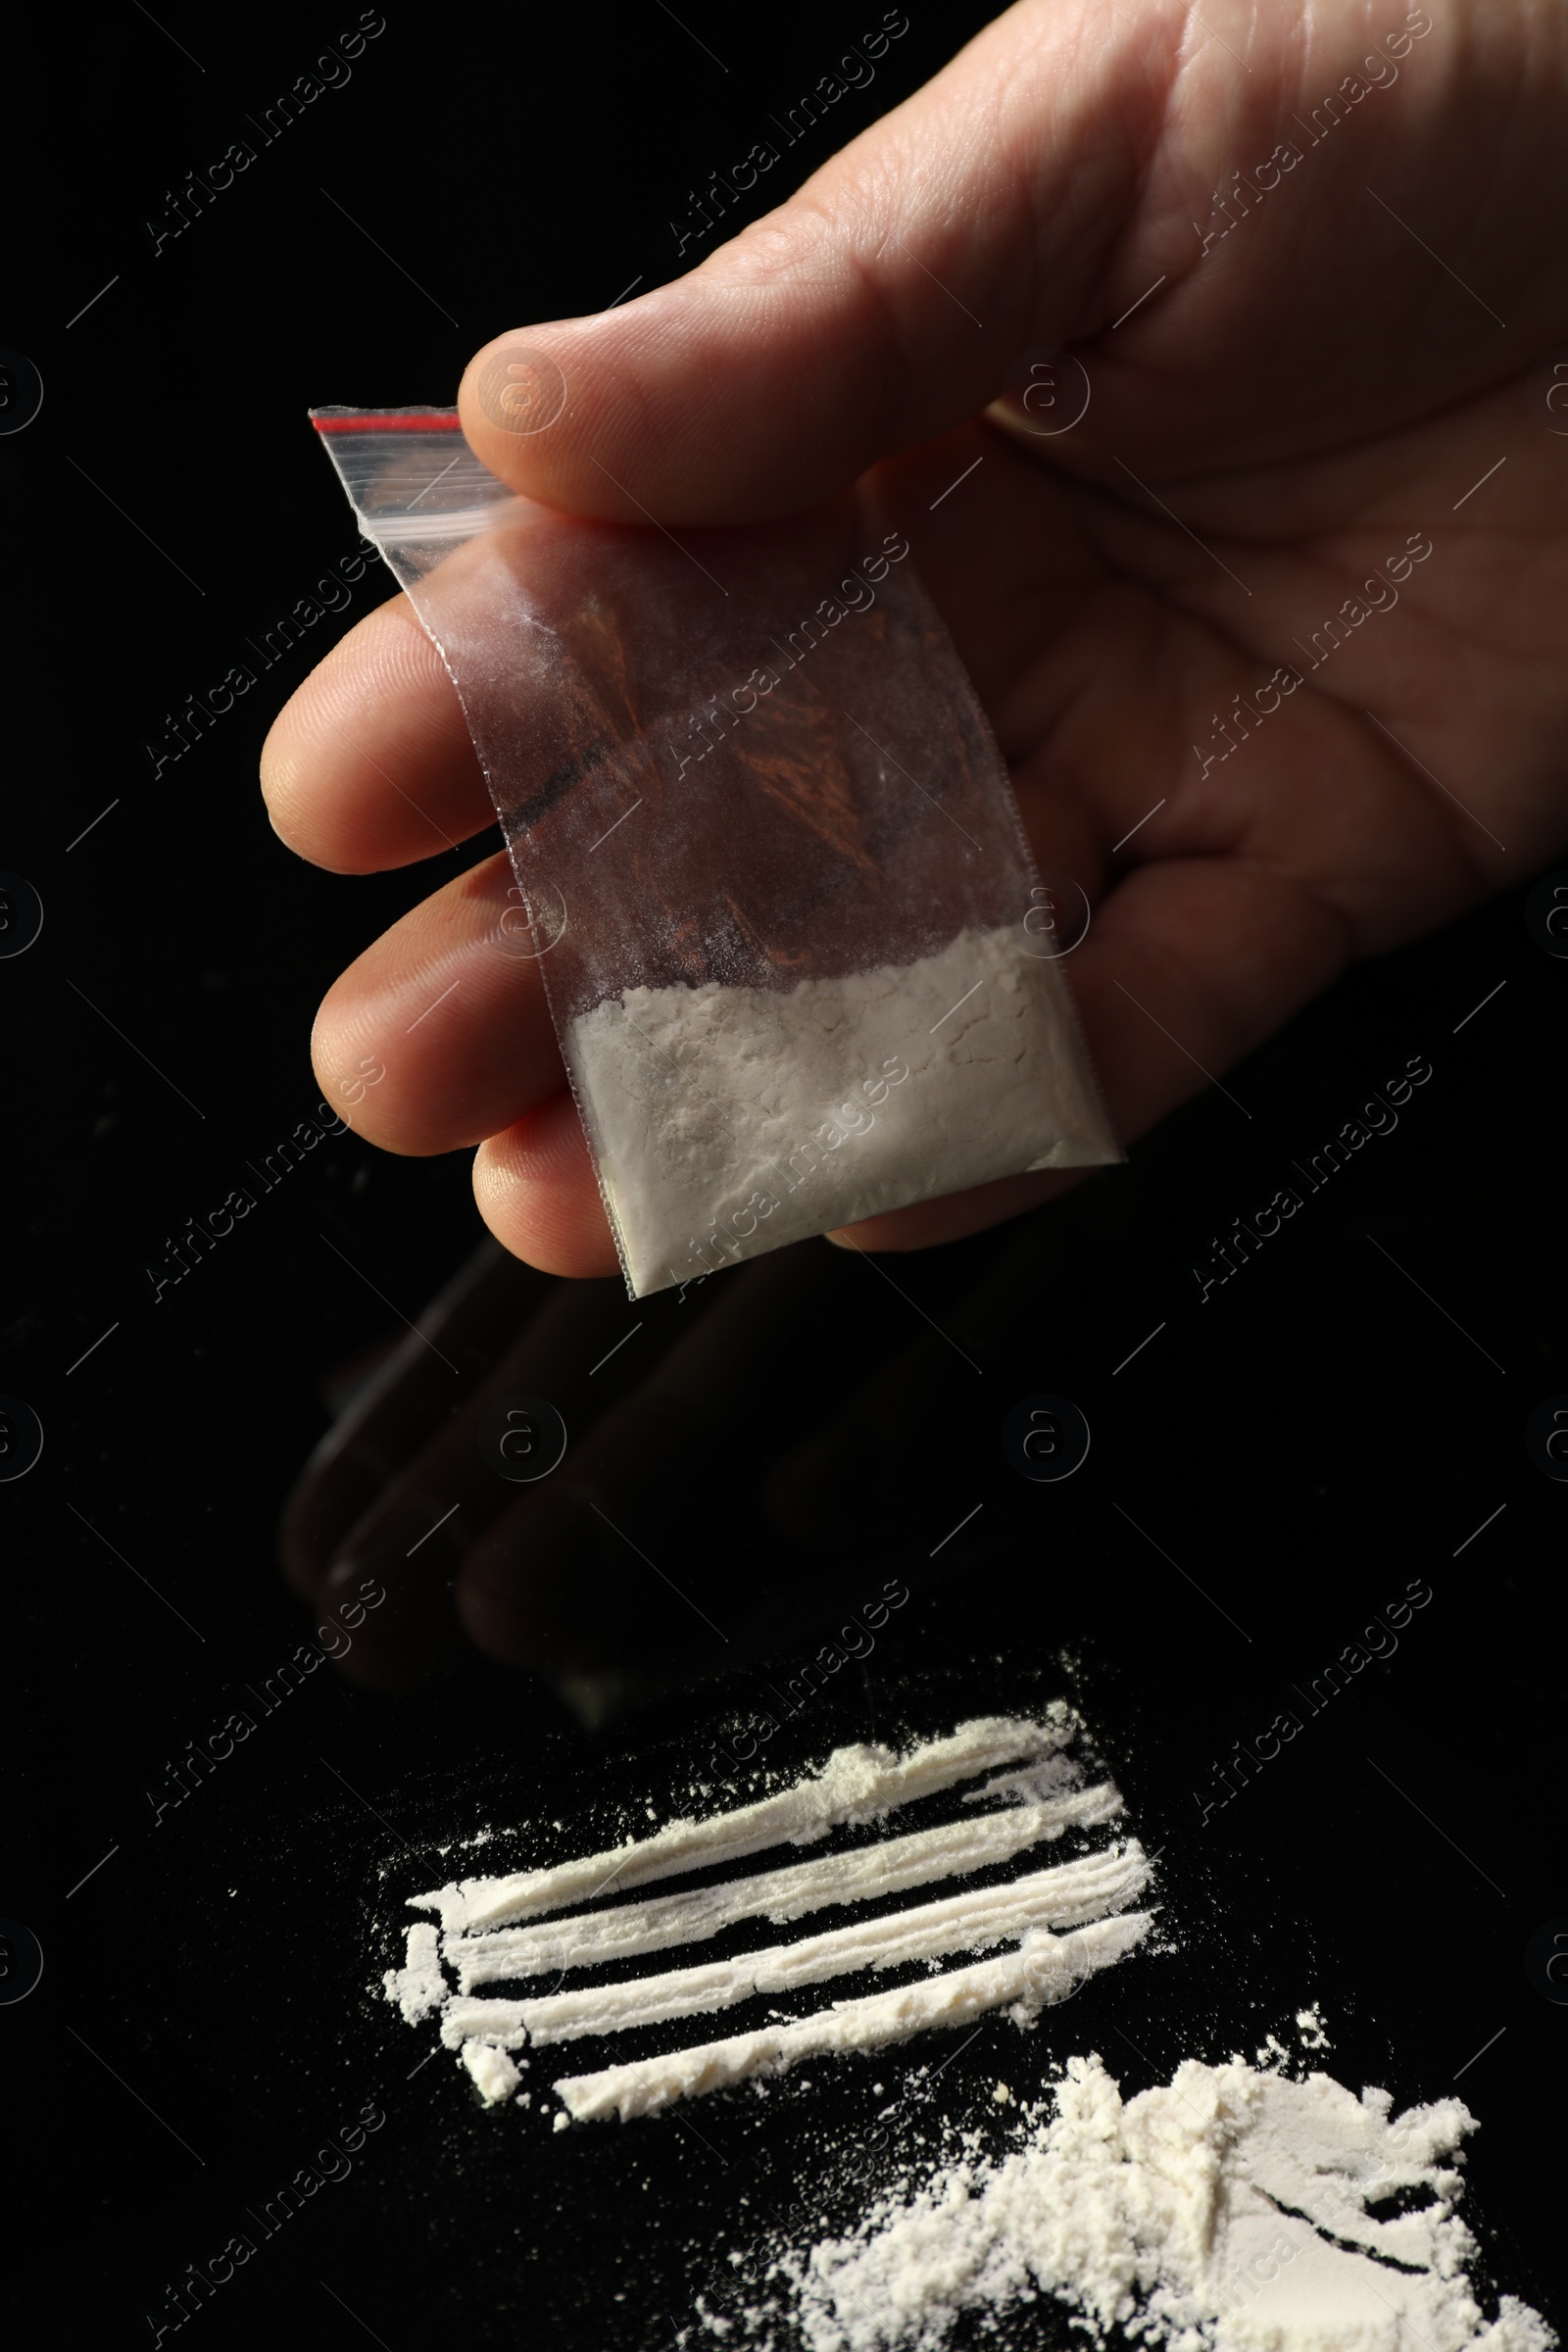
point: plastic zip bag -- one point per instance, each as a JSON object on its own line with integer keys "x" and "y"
{"x": 788, "y": 924}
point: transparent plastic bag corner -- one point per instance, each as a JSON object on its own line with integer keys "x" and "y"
{"x": 779, "y": 895}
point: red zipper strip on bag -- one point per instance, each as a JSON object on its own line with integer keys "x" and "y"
{"x": 387, "y": 425}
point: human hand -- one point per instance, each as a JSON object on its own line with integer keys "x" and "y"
{"x": 1313, "y": 448}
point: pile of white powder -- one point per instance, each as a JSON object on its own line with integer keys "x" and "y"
{"x": 1234, "y": 2209}
{"x": 729, "y": 1120}
{"x": 1229, "y": 2210}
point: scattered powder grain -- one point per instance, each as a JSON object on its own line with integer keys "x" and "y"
{"x": 495, "y": 2073}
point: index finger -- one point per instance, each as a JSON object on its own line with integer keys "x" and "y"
{"x": 368, "y": 763}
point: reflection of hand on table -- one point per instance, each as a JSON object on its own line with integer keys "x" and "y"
{"x": 738, "y": 1474}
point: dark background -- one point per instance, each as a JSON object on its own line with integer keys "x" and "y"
{"x": 1321, "y": 1432}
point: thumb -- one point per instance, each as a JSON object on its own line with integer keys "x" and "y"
{"x": 878, "y": 307}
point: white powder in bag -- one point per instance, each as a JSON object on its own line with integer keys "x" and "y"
{"x": 730, "y": 1120}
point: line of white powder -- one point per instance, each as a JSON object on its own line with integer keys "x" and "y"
{"x": 885, "y": 1868}
{"x": 855, "y": 1784}
{"x": 1046, "y": 1968}
{"x": 420, "y": 1986}
{"x": 1065, "y": 1897}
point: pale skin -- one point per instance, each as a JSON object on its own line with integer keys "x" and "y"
{"x": 1310, "y": 389}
